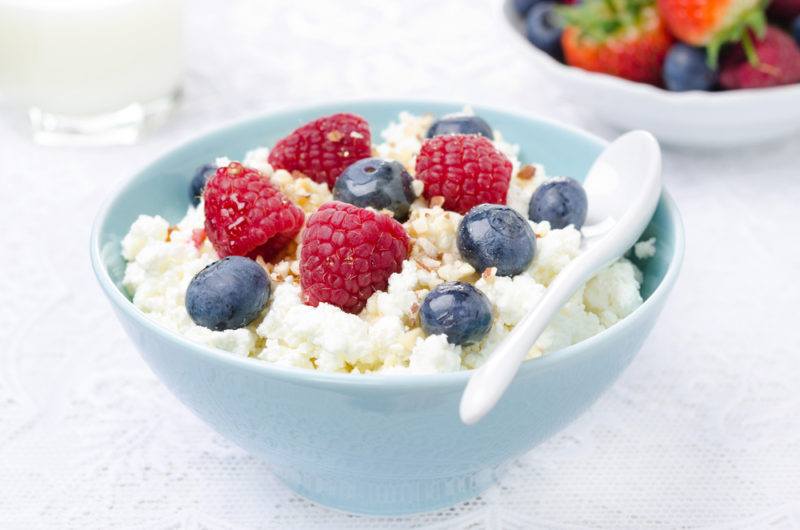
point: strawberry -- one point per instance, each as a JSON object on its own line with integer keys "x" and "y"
{"x": 623, "y": 38}
{"x": 778, "y": 62}
{"x": 712, "y": 23}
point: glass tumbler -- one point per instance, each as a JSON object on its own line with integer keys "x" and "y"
{"x": 91, "y": 71}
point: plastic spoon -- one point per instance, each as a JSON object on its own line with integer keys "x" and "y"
{"x": 623, "y": 187}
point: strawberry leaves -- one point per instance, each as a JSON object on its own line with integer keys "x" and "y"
{"x": 601, "y": 20}
{"x": 752, "y": 21}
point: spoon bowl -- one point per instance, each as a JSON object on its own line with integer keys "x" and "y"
{"x": 622, "y": 186}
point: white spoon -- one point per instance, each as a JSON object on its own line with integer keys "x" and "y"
{"x": 623, "y": 187}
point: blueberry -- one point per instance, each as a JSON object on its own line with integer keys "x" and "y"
{"x": 491, "y": 235}
{"x": 458, "y": 310}
{"x": 543, "y": 29}
{"x": 199, "y": 180}
{"x": 228, "y": 294}
{"x": 380, "y": 184}
{"x": 560, "y": 201}
{"x": 460, "y": 125}
{"x": 686, "y": 68}
{"x": 796, "y": 29}
{"x": 523, "y": 6}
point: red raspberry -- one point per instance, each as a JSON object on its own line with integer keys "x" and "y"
{"x": 348, "y": 253}
{"x": 246, "y": 215}
{"x": 778, "y": 63}
{"x": 464, "y": 169}
{"x": 323, "y": 148}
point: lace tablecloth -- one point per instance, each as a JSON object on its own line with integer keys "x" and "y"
{"x": 703, "y": 429}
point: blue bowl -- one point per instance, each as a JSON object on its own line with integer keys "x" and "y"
{"x": 376, "y": 444}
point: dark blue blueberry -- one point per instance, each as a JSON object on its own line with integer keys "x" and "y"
{"x": 523, "y": 6}
{"x": 460, "y": 125}
{"x": 543, "y": 28}
{"x": 380, "y": 184}
{"x": 561, "y": 202}
{"x": 458, "y": 310}
{"x": 796, "y": 29}
{"x": 199, "y": 180}
{"x": 491, "y": 235}
{"x": 228, "y": 294}
{"x": 686, "y": 68}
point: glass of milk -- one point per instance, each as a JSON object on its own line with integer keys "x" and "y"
{"x": 91, "y": 71}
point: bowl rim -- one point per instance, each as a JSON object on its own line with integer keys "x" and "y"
{"x": 394, "y": 381}
{"x": 697, "y": 98}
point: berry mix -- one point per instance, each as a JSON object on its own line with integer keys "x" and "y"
{"x": 676, "y": 44}
{"x": 416, "y": 254}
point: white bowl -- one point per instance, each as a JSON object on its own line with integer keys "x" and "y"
{"x": 697, "y": 119}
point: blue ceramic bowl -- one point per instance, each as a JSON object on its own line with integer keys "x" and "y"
{"x": 376, "y": 444}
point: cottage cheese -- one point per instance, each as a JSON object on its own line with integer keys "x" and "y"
{"x": 162, "y": 260}
{"x": 386, "y": 336}
{"x": 645, "y": 249}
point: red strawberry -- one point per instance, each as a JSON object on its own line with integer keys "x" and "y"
{"x": 625, "y": 39}
{"x": 323, "y": 148}
{"x": 246, "y": 216}
{"x": 712, "y": 23}
{"x": 778, "y": 63}
{"x": 464, "y": 169}
{"x": 348, "y": 253}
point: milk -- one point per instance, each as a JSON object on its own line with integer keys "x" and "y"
{"x": 73, "y": 58}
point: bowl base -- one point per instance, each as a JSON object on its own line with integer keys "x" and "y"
{"x": 386, "y": 497}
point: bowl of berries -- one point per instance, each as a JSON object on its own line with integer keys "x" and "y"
{"x": 703, "y": 73}
{"x": 319, "y": 292}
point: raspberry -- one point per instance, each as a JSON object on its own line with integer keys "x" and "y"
{"x": 246, "y": 216}
{"x": 778, "y": 63}
{"x": 323, "y": 148}
{"x": 348, "y": 253}
{"x": 464, "y": 169}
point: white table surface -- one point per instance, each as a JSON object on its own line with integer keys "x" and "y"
{"x": 703, "y": 429}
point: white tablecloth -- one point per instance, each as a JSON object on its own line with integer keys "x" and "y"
{"x": 703, "y": 429}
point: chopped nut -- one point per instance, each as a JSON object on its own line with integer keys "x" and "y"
{"x": 335, "y": 136}
{"x": 427, "y": 247}
{"x": 527, "y": 172}
{"x": 409, "y": 338}
{"x": 429, "y": 263}
{"x": 420, "y": 225}
{"x": 489, "y": 273}
{"x": 437, "y": 200}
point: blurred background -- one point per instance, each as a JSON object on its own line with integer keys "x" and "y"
{"x": 703, "y": 430}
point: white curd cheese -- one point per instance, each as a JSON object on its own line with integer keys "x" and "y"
{"x": 386, "y": 336}
{"x": 645, "y": 249}
{"x": 162, "y": 260}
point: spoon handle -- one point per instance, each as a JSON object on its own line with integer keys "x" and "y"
{"x": 490, "y": 381}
